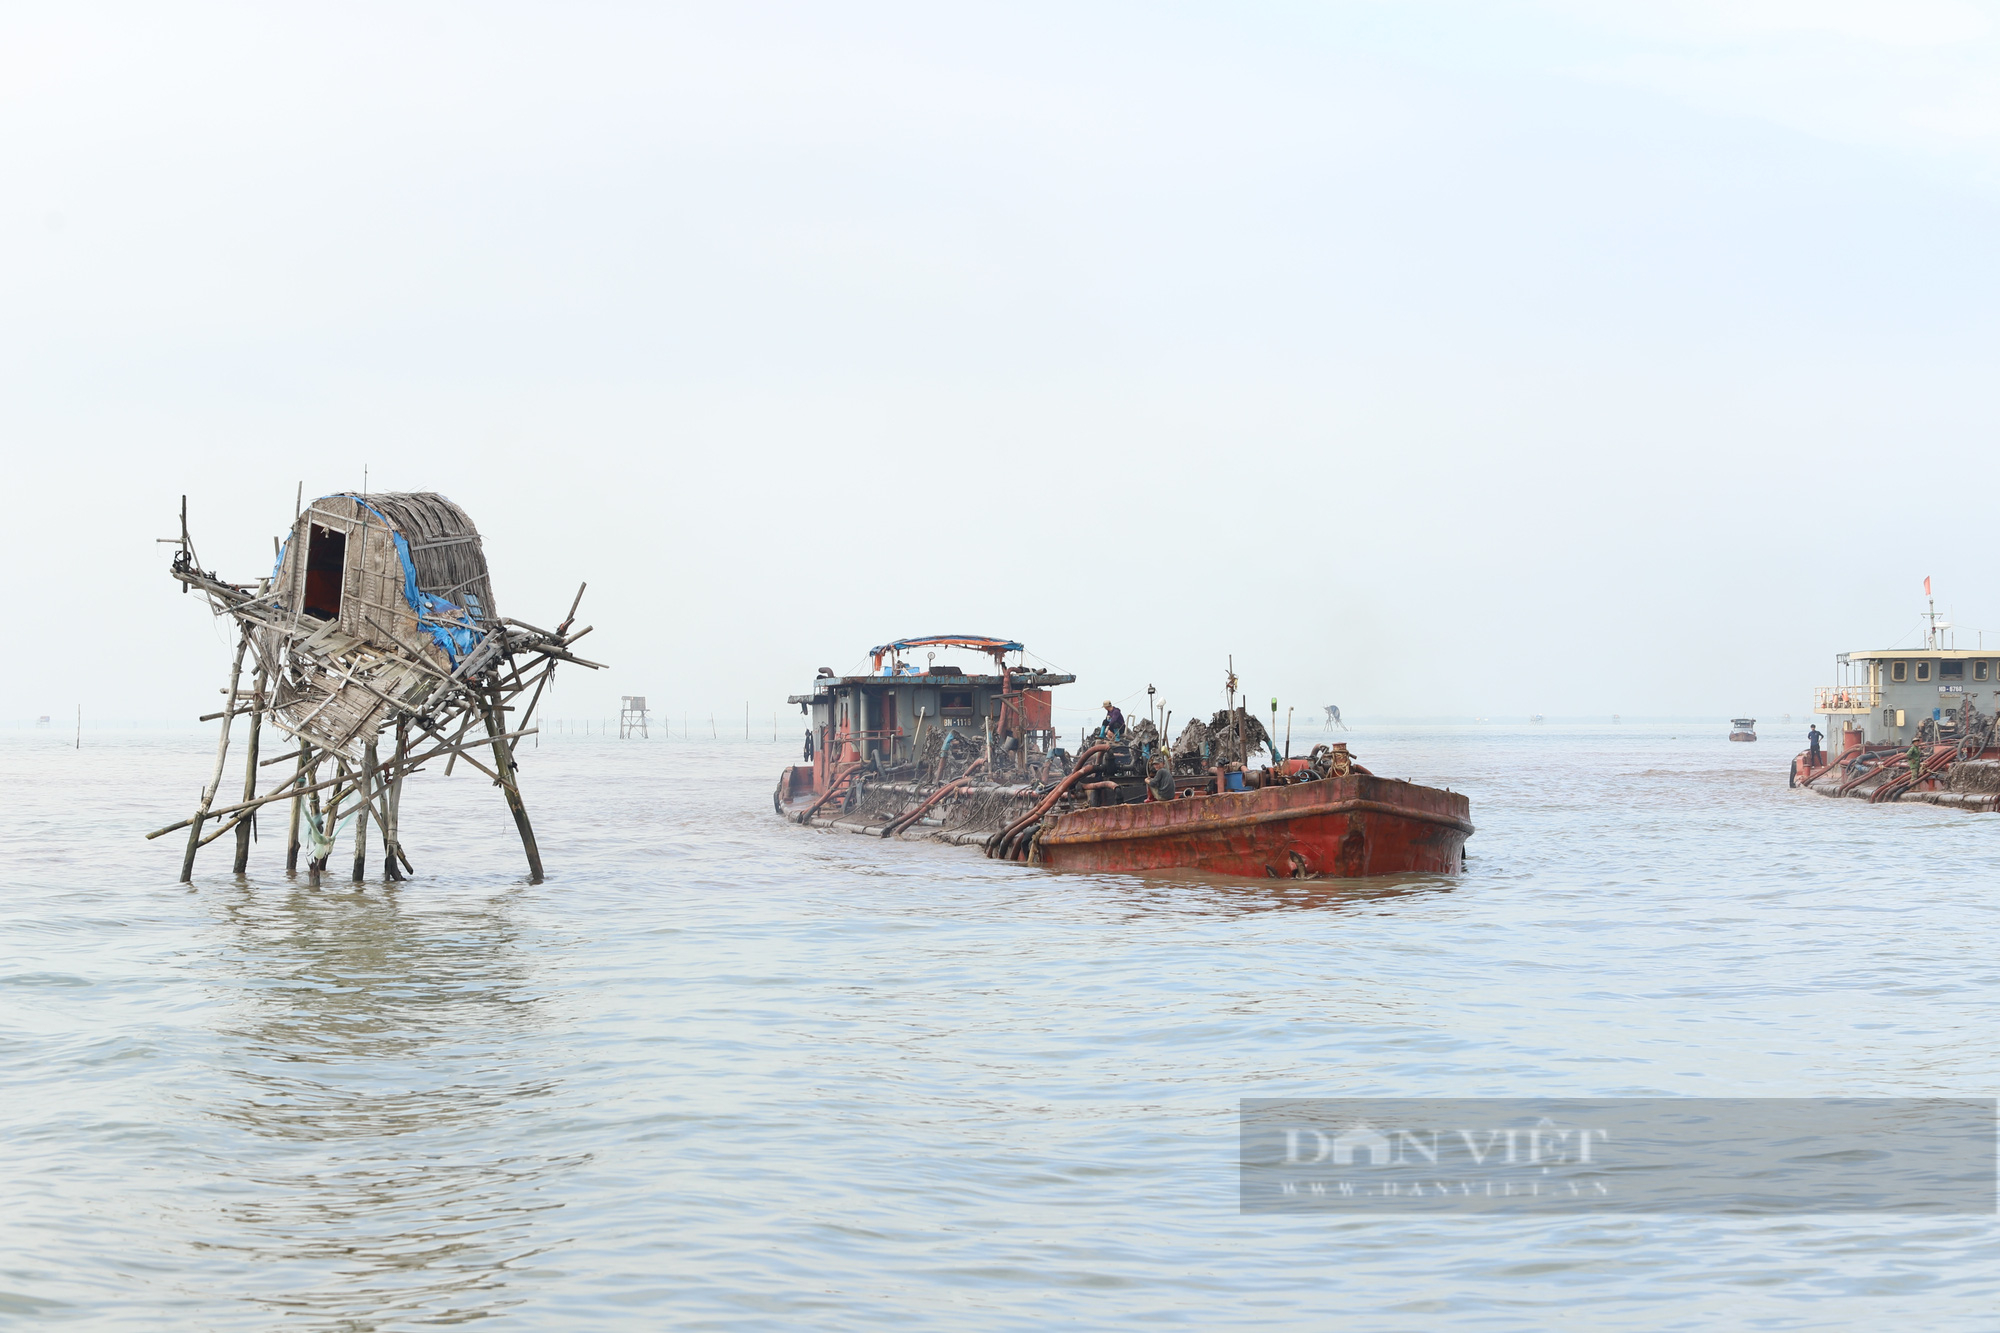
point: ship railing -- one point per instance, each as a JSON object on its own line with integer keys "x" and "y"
{"x": 1847, "y": 698}
{"x": 859, "y": 740}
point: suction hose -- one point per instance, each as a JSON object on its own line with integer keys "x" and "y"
{"x": 1001, "y": 847}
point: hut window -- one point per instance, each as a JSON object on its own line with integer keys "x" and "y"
{"x": 1923, "y": 671}
{"x": 1951, "y": 670}
{"x": 1979, "y": 671}
{"x": 955, "y": 703}
{"x": 1899, "y": 671}
{"x": 326, "y": 561}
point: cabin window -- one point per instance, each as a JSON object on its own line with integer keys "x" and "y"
{"x": 1979, "y": 671}
{"x": 1923, "y": 671}
{"x": 1951, "y": 670}
{"x": 1899, "y": 671}
{"x": 955, "y": 703}
{"x": 326, "y": 562}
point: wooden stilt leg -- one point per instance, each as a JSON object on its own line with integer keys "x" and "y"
{"x": 392, "y": 794}
{"x": 329, "y": 821}
{"x": 292, "y": 833}
{"x": 250, "y": 774}
{"x": 503, "y": 760}
{"x": 221, "y": 756}
{"x": 364, "y": 810}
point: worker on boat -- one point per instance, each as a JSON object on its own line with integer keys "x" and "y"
{"x": 1915, "y": 758}
{"x": 809, "y": 745}
{"x": 1114, "y": 721}
{"x": 1812, "y": 747}
{"x": 1161, "y": 784}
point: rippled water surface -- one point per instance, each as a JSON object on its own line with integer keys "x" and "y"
{"x": 722, "y": 1072}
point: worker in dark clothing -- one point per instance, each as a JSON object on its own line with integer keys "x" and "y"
{"x": 1162, "y": 781}
{"x": 1916, "y": 758}
{"x": 1114, "y": 721}
{"x": 1812, "y": 747}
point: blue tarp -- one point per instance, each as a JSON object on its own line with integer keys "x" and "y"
{"x": 443, "y": 621}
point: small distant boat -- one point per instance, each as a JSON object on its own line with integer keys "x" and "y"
{"x": 1536, "y": 717}
{"x": 1743, "y": 728}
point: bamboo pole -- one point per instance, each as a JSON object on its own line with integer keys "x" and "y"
{"x": 369, "y": 769}
{"x": 533, "y": 700}
{"x": 292, "y": 828}
{"x": 221, "y": 757}
{"x": 503, "y": 760}
{"x": 313, "y": 807}
{"x": 423, "y": 758}
{"x": 392, "y": 803}
{"x": 326, "y": 816}
{"x": 244, "y": 827}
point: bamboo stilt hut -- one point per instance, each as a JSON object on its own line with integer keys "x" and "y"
{"x": 378, "y": 617}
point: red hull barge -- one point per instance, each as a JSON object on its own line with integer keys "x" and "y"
{"x": 972, "y": 758}
{"x": 1344, "y": 827}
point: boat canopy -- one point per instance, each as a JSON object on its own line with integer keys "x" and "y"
{"x": 998, "y": 648}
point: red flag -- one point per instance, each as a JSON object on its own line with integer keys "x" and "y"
{"x": 1927, "y": 585}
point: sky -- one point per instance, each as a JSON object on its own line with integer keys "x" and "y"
{"x": 1430, "y": 359}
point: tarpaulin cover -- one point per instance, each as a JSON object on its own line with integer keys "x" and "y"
{"x": 442, "y": 620}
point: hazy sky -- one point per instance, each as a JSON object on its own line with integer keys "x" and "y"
{"x": 1430, "y": 358}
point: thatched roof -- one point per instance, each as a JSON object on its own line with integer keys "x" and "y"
{"x": 444, "y": 545}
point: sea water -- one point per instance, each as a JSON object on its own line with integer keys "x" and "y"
{"x": 723, "y": 1072}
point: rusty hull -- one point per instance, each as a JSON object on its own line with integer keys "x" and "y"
{"x": 1344, "y": 827}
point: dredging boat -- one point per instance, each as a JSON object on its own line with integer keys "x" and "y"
{"x": 1904, "y": 724}
{"x": 971, "y": 757}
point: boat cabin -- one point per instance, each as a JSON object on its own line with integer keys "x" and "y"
{"x": 921, "y": 693}
{"x": 1884, "y": 695}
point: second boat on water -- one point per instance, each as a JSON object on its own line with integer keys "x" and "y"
{"x": 971, "y": 757}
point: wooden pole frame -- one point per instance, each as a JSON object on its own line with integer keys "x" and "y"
{"x": 503, "y": 760}
{"x": 221, "y": 758}
{"x": 244, "y": 828}
{"x": 292, "y": 829}
{"x": 351, "y": 695}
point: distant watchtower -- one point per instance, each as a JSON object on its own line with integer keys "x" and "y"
{"x": 632, "y": 717}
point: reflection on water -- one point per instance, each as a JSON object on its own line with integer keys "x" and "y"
{"x": 1193, "y": 893}
{"x": 374, "y": 1057}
